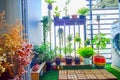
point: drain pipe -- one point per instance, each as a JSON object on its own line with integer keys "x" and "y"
{"x": 119, "y": 23}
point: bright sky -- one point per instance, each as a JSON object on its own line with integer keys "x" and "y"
{"x": 72, "y": 7}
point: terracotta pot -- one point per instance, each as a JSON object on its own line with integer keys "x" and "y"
{"x": 74, "y": 16}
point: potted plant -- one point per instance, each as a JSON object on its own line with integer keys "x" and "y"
{"x": 100, "y": 41}
{"x": 50, "y": 2}
{"x": 74, "y": 16}
{"x": 86, "y": 53}
{"x": 66, "y": 10}
{"x": 58, "y": 59}
{"x": 69, "y": 50}
{"x": 56, "y": 13}
{"x": 49, "y": 59}
{"x": 83, "y": 12}
{"x": 77, "y": 40}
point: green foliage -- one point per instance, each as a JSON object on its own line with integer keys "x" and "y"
{"x": 100, "y": 41}
{"x": 69, "y": 38}
{"x": 45, "y": 27}
{"x": 83, "y": 11}
{"x": 86, "y": 52}
{"x": 64, "y": 50}
{"x": 65, "y": 8}
{"x": 50, "y": 1}
{"x": 68, "y": 49}
{"x": 44, "y": 52}
{"x": 87, "y": 42}
{"x": 56, "y": 11}
{"x": 77, "y": 39}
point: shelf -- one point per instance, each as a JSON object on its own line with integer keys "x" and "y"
{"x": 62, "y": 22}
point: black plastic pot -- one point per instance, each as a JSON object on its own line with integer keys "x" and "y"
{"x": 66, "y": 17}
{"x": 57, "y": 61}
{"x": 68, "y": 60}
{"x": 82, "y": 17}
{"x": 56, "y": 17}
{"x": 48, "y": 65}
{"x": 77, "y": 60}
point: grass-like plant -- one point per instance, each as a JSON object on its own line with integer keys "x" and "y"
{"x": 83, "y": 11}
{"x": 86, "y": 52}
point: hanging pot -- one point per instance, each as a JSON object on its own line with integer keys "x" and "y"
{"x": 49, "y": 6}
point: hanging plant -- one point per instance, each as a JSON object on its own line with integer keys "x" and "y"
{"x": 45, "y": 27}
{"x": 50, "y": 3}
{"x": 69, "y": 38}
{"x": 60, "y": 33}
{"x": 77, "y": 39}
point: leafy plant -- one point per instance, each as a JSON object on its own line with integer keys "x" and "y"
{"x": 87, "y": 42}
{"x": 86, "y": 52}
{"x": 83, "y": 11}
{"x": 56, "y": 11}
{"x": 69, "y": 38}
{"x": 77, "y": 39}
{"x": 100, "y": 41}
{"x": 50, "y": 1}
{"x": 66, "y": 7}
{"x": 45, "y": 27}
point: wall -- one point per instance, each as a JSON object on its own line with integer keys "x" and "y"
{"x": 2, "y": 6}
{"x": 34, "y": 26}
{"x": 13, "y": 10}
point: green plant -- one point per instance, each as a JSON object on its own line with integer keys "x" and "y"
{"x": 42, "y": 50}
{"x": 83, "y": 11}
{"x": 100, "y": 41}
{"x": 45, "y": 27}
{"x": 69, "y": 44}
{"x": 56, "y": 11}
{"x": 66, "y": 7}
{"x": 50, "y": 1}
{"x": 86, "y": 52}
{"x": 77, "y": 39}
{"x": 87, "y": 42}
{"x": 69, "y": 38}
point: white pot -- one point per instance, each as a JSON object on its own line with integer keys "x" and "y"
{"x": 86, "y": 61}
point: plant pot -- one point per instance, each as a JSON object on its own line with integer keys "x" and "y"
{"x": 82, "y": 17}
{"x": 57, "y": 61}
{"x": 99, "y": 61}
{"x": 68, "y": 60}
{"x": 77, "y": 60}
{"x": 56, "y": 17}
{"x": 48, "y": 65}
{"x": 86, "y": 61}
{"x": 74, "y": 16}
{"x": 49, "y": 6}
{"x": 66, "y": 17}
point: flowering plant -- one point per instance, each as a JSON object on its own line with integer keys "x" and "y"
{"x": 14, "y": 51}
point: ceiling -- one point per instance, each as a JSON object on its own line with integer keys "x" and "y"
{"x": 106, "y": 4}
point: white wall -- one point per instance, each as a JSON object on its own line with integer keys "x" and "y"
{"x": 34, "y": 26}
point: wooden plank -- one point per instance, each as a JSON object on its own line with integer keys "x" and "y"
{"x": 91, "y": 74}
